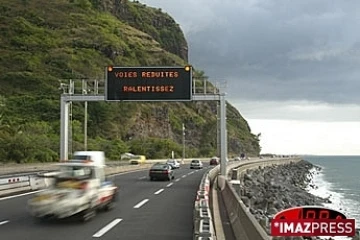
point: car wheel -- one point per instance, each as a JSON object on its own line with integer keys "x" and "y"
{"x": 88, "y": 214}
{"x": 112, "y": 203}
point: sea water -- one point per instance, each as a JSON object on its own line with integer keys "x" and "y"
{"x": 339, "y": 180}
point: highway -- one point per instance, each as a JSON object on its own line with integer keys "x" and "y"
{"x": 152, "y": 210}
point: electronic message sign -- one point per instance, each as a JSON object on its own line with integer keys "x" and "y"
{"x": 148, "y": 83}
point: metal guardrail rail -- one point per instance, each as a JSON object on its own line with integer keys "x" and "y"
{"x": 32, "y": 180}
{"x": 203, "y": 220}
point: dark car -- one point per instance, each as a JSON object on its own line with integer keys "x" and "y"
{"x": 161, "y": 171}
{"x": 214, "y": 161}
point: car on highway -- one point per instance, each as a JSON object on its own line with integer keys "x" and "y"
{"x": 196, "y": 164}
{"x": 161, "y": 171}
{"x": 79, "y": 188}
{"x": 214, "y": 161}
{"x": 175, "y": 164}
{"x": 237, "y": 159}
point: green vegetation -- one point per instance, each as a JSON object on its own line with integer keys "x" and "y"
{"x": 44, "y": 43}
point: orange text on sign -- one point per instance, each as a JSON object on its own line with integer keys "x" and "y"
{"x": 160, "y": 74}
{"x": 162, "y": 88}
{"x": 150, "y": 74}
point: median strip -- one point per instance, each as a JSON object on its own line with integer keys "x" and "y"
{"x": 140, "y": 204}
{"x": 107, "y": 228}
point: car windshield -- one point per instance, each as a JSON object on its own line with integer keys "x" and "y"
{"x": 79, "y": 172}
{"x": 195, "y": 161}
{"x": 160, "y": 166}
{"x": 171, "y": 161}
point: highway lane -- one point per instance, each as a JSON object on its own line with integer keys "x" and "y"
{"x": 151, "y": 209}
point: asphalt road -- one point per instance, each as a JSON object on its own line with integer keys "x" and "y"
{"x": 151, "y": 210}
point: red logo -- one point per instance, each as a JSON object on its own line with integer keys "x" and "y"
{"x": 312, "y": 221}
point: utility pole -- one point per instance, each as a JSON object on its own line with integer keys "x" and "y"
{"x": 84, "y": 83}
{"x": 183, "y": 141}
{"x": 85, "y": 125}
{"x": 218, "y": 145}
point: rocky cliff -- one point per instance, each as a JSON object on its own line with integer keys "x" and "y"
{"x": 45, "y": 43}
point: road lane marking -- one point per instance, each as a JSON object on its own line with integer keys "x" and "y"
{"x": 20, "y": 195}
{"x": 191, "y": 173}
{"x": 107, "y": 228}
{"x": 141, "y": 178}
{"x": 169, "y": 185}
{"x": 157, "y": 192}
{"x": 183, "y": 176}
{"x": 177, "y": 180}
{"x": 4, "y": 222}
{"x": 139, "y": 205}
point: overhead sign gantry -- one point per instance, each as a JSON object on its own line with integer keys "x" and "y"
{"x": 145, "y": 84}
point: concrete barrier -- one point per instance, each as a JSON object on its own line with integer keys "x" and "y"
{"x": 202, "y": 217}
{"x": 243, "y": 223}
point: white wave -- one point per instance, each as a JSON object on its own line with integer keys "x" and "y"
{"x": 339, "y": 202}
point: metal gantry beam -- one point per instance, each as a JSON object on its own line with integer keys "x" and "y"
{"x": 64, "y": 125}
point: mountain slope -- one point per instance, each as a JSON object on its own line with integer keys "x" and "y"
{"x": 44, "y": 43}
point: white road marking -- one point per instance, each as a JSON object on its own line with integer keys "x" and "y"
{"x": 183, "y": 176}
{"x": 141, "y": 178}
{"x": 20, "y": 195}
{"x": 107, "y": 228}
{"x": 169, "y": 185}
{"x": 191, "y": 173}
{"x": 157, "y": 192}
{"x": 141, "y": 203}
{"x": 4, "y": 222}
{"x": 177, "y": 180}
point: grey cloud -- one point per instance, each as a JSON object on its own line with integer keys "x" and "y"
{"x": 275, "y": 49}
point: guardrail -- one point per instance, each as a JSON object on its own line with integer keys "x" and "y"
{"x": 31, "y": 179}
{"x": 243, "y": 223}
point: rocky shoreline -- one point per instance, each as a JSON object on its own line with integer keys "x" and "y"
{"x": 268, "y": 190}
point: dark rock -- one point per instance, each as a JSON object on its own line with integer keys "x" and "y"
{"x": 268, "y": 190}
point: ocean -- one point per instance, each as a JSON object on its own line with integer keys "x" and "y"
{"x": 339, "y": 180}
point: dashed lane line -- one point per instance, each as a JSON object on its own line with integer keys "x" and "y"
{"x": 159, "y": 191}
{"x": 140, "y": 204}
{"x": 20, "y": 195}
{"x": 4, "y": 222}
{"x": 169, "y": 185}
{"x": 107, "y": 228}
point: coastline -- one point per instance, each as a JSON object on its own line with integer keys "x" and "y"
{"x": 269, "y": 190}
{"x": 318, "y": 186}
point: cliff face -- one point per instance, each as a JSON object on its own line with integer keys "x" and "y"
{"x": 45, "y": 43}
{"x": 154, "y": 22}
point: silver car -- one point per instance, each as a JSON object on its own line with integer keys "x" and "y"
{"x": 173, "y": 163}
{"x": 196, "y": 164}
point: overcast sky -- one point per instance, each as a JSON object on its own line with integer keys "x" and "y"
{"x": 288, "y": 60}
